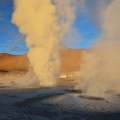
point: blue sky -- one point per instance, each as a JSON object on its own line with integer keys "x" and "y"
{"x": 11, "y": 41}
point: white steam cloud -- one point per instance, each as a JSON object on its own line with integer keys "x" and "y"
{"x": 44, "y": 23}
{"x": 101, "y": 70}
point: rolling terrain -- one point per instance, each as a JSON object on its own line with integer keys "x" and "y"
{"x": 70, "y": 61}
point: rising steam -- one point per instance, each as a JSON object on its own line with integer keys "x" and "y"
{"x": 101, "y": 71}
{"x": 44, "y": 23}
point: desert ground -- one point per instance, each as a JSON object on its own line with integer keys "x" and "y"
{"x": 58, "y": 103}
{"x": 61, "y": 102}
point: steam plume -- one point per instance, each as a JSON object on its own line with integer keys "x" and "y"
{"x": 45, "y": 23}
{"x": 101, "y": 71}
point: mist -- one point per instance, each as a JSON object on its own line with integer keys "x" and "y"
{"x": 44, "y": 24}
{"x": 101, "y": 69}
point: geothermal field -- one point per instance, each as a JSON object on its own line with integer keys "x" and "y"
{"x": 20, "y": 100}
{"x": 59, "y": 60}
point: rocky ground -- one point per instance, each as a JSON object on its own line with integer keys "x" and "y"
{"x": 58, "y": 103}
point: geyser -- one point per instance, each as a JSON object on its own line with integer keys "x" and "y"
{"x": 101, "y": 71}
{"x": 44, "y": 23}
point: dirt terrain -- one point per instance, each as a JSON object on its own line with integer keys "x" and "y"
{"x": 56, "y": 104}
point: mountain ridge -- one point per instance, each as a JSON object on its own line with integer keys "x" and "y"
{"x": 71, "y": 59}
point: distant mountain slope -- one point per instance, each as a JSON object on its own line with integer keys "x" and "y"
{"x": 13, "y": 62}
{"x": 70, "y": 61}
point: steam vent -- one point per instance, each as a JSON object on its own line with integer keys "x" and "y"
{"x": 59, "y": 59}
{"x": 71, "y": 59}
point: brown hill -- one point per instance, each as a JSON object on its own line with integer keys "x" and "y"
{"x": 70, "y": 61}
{"x": 13, "y": 62}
